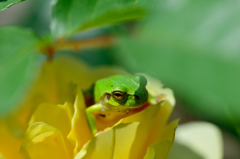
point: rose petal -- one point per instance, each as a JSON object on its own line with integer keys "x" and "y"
{"x": 159, "y": 150}
{"x": 57, "y": 116}
{"x": 153, "y": 127}
{"x": 161, "y": 129}
{"x": 55, "y": 85}
{"x": 202, "y": 138}
{"x": 155, "y": 88}
{"x": 78, "y": 72}
{"x": 100, "y": 146}
{"x": 80, "y": 132}
{"x": 113, "y": 143}
{"x": 9, "y": 145}
{"x": 124, "y": 138}
{"x": 44, "y": 141}
{"x": 150, "y": 153}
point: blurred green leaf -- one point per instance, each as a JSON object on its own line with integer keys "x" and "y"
{"x": 193, "y": 47}
{"x": 69, "y": 16}
{"x": 18, "y": 65}
{"x": 7, "y": 3}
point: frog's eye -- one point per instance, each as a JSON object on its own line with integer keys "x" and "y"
{"x": 118, "y": 95}
{"x": 108, "y": 96}
{"x": 136, "y": 97}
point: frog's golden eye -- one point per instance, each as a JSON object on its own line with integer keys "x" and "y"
{"x": 118, "y": 95}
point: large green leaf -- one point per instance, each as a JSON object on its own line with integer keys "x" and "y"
{"x": 69, "y": 16}
{"x": 193, "y": 47}
{"x": 7, "y": 3}
{"x": 18, "y": 65}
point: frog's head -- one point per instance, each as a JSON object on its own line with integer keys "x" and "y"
{"x": 125, "y": 92}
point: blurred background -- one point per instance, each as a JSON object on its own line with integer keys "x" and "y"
{"x": 193, "y": 47}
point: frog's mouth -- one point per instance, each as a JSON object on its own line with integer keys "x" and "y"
{"x": 110, "y": 107}
{"x": 128, "y": 102}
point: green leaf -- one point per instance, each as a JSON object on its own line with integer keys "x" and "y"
{"x": 8, "y": 3}
{"x": 69, "y": 16}
{"x": 193, "y": 47}
{"x": 18, "y": 65}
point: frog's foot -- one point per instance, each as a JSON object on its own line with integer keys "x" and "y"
{"x": 90, "y": 117}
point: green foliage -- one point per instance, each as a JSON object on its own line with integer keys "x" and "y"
{"x": 193, "y": 47}
{"x": 70, "y": 16}
{"x": 7, "y": 3}
{"x": 18, "y": 64}
{"x": 18, "y": 61}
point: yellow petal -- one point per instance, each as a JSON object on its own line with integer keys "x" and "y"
{"x": 100, "y": 146}
{"x": 80, "y": 132}
{"x": 161, "y": 129}
{"x": 159, "y": 150}
{"x": 146, "y": 118}
{"x": 55, "y": 85}
{"x": 155, "y": 88}
{"x": 114, "y": 143}
{"x": 78, "y": 72}
{"x": 44, "y": 141}
{"x": 124, "y": 138}
{"x": 150, "y": 153}
{"x": 202, "y": 138}
{"x": 57, "y": 116}
{"x": 153, "y": 127}
{"x": 9, "y": 144}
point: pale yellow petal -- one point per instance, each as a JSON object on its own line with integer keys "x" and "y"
{"x": 124, "y": 138}
{"x": 159, "y": 150}
{"x": 150, "y": 153}
{"x": 55, "y": 84}
{"x": 114, "y": 143}
{"x": 146, "y": 118}
{"x": 161, "y": 129}
{"x": 100, "y": 146}
{"x": 78, "y": 72}
{"x": 80, "y": 132}
{"x": 155, "y": 88}
{"x": 202, "y": 138}
{"x": 44, "y": 141}
{"x": 9, "y": 144}
{"x": 57, "y": 116}
{"x": 153, "y": 127}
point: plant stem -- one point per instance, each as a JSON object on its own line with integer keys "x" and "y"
{"x": 77, "y": 45}
{"x": 99, "y": 42}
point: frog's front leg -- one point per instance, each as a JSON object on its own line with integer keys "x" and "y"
{"x": 90, "y": 117}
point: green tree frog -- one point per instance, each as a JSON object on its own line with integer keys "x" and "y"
{"x": 119, "y": 93}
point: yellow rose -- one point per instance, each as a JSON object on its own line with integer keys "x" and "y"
{"x": 51, "y": 122}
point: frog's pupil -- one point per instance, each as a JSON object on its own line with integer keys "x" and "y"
{"x": 117, "y": 94}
